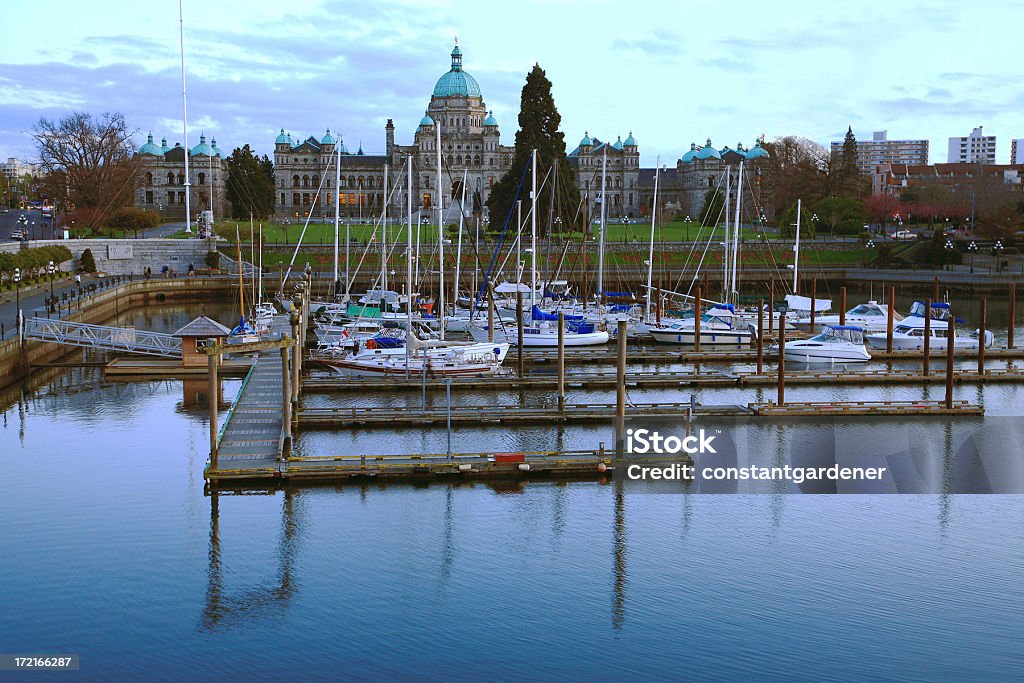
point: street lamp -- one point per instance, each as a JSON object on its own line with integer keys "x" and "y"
{"x": 997, "y": 250}
{"x": 50, "y": 269}
{"x": 949, "y": 249}
{"x": 17, "y": 306}
{"x": 972, "y": 248}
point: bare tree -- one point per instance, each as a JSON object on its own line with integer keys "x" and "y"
{"x": 94, "y": 156}
{"x": 797, "y": 168}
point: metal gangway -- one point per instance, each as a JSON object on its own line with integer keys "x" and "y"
{"x": 102, "y": 337}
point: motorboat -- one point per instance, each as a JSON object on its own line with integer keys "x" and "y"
{"x": 431, "y": 358}
{"x": 835, "y": 344}
{"x": 871, "y": 317}
{"x": 718, "y": 327}
{"x": 909, "y": 335}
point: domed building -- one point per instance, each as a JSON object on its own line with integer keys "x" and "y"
{"x": 161, "y": 186}
{"x": 470, "y": 145}
{"x": 621, "y": 178}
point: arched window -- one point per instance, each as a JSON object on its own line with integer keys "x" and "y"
{"x": 351, "y": 181}
{"x": 476, "y": 159}
{"x": 451, "y": 160}
{"x": 202, "y": 178}
{"x": 181, "y": 178}
{"x": 458, "y": 160}
{"x": 342, "y": 182}
{"x": 316, "y": 181}
{"x": 282, "y": 199}
{"x": 305, "y": 181}
{"x": 295, "y": 181}
{"x": 369, "y": 181}
{"x": 618, "y": 183}
{"x": 149, "y": 178}
{"x": 170, "y": 178}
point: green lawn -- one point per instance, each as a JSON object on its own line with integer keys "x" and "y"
{"x": 321, "y": 233}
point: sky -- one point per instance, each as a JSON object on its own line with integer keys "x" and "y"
{"x": 671, "y": 71}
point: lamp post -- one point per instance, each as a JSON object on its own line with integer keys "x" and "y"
{"x": 972, "y": 249}
{"x": 17, "y": 294}
{"x": 997, "y": 250}
{"x": 949, "y": 249}
{"x": 687, "y": 227}
{"x": 50, "y": 269}
{"x": 870, "y": 245}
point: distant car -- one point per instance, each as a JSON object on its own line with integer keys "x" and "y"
{"x": 16, "y": 235}
{"x": 903, "y": 235}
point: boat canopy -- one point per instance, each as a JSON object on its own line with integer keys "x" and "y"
{"x": 537, "y": 314}
{"x": 795, "y": 302}
{"x": 512, "y": 288}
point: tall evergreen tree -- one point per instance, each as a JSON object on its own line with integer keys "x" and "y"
{"x": 538, "y": 129}
{"x": 849, "y": 172}
{"x": 250, "y": 185}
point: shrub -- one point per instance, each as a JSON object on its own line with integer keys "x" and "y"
{"x": 87, "y": 262}
{"x": 132, "y": 218}
{"x": 213, "y": 259}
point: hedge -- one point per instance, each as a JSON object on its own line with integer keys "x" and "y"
{"x": 33, "y": 262}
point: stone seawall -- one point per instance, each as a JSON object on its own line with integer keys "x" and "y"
{"x": 123, "y": 256}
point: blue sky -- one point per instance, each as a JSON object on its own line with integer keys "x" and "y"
{"x": 671, "y": 72}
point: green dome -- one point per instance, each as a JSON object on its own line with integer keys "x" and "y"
{"x": 707, "y": 152}
{"x": 150, "y": 148}
{"x": 757, "y": 152}
{"x": 586, "y": 141}
{"x": 490, "y": 120}
{"x": 283, "y": 139}
{"x": 618, "y": 143}
{"x": 630, "y": 141}
{"x": 216, "y": 150}
{"x": 426, "y": 121}
{"x": 456, "y": 82}
{"x": 163, "y": 146}
{"x": 688, "y": 157}
{"x": 342, "y": 149}
{"x": 327, "y": 140}
{"x": 202, "y": 149}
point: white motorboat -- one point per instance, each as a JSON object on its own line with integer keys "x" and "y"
{"x": 835, "y": 344}
{"x": 718, "y": 327}
{"x": 872, "y": 317}
{"x": 909, "y": 334}
{"x": 433, "y": 358}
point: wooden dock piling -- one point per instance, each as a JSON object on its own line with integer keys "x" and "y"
{"x": 771, "y": 308}
{"x": 936, "y": 291}
{"x": 212, "y": 398}
{"x": 490, "y": 315}
{"x": 1012, "y": 313}
{"x": 950, "y": 350}
{"x": 981, "y": 337}
{"x": 889, "y": 318}
{"x": 698, "y": 302}
{"x": 842, "y": 305}
{"x": 286, "y": 394}
{"x": 814, "y": 298}
{"x": 620, "y": 391}
{"x": 760, "y": 335}
{"x": 519, "y": 330}
{"x": 926, "y": 360}
{"x": 781, "y": 398}
{"x": 561, "y": 360}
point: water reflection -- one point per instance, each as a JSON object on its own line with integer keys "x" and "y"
{"x": 225, "y": 610}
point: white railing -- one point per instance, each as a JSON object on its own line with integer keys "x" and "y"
{"x": 102, "y": 337}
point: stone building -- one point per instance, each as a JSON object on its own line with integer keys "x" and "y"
{"x": 161, "y": 178}
{"x": 703, "y": 168}
{"x": 470, "y": 145}
{"x": 621, "y": 177}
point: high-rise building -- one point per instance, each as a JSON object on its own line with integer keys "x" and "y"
{"x": 976, "y": 148}
{"x": 881, "y": 150}
{"x": 1017, "y": 151}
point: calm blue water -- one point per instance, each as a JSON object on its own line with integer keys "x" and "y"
{"x": 111, "y": 550}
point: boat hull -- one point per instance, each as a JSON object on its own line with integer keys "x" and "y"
{"x": 733, "y": 338}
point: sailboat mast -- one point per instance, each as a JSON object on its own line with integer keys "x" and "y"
{"x": 533, "y": 230}
{"x": 337, "y": 214}
{"x": 600, "y": 245}
{"x": 458, "y": 250}
{"x": 252, "y": 253}
{"x": 384, "y": 233}
{"x": 650, "y": 253}
{"x": 261, "y": 266}
{"x": 796, "y": 249}
{"x": 725, "y": 251}
{"x": 440, "y": 235}
{"x": 241, "y": 287}
{"x": 184, "y": 116}
{"x": 736, "y": 229}
{"x": 408, "y": 268}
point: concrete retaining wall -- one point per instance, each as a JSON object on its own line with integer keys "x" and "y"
{"x": 123, "y": 256}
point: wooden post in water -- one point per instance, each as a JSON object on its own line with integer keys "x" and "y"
{"x": 842, "y": 305}
{"x": 926, "y": 363}
{"x": 1012, "y": 314}
{"x": 891, "y": 309}
{"x": 286, "y": 393}
{"x": 296, "y": 357}
{"x": 936, "y": 294}
{"x": 561, "y": 361}
{"x": 212, "y": 397}
{"x": 657, "y": 308}
{"x": 781, "y": 399}
{"x": 950, "y": 348}
{"x": 620, "y": 390}
{"x": 771, "y": 309}
{"x": 519, "y": 330}
{"x": 814, "y": 298}
{"x": 760, "y": 335}
{"x": 981, "y": 339}
{"x": 698, "y": 302}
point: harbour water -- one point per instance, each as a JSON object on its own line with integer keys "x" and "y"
{"x": 112, "y": 550}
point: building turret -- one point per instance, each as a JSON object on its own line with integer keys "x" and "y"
{"x": 389, "y": 137}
